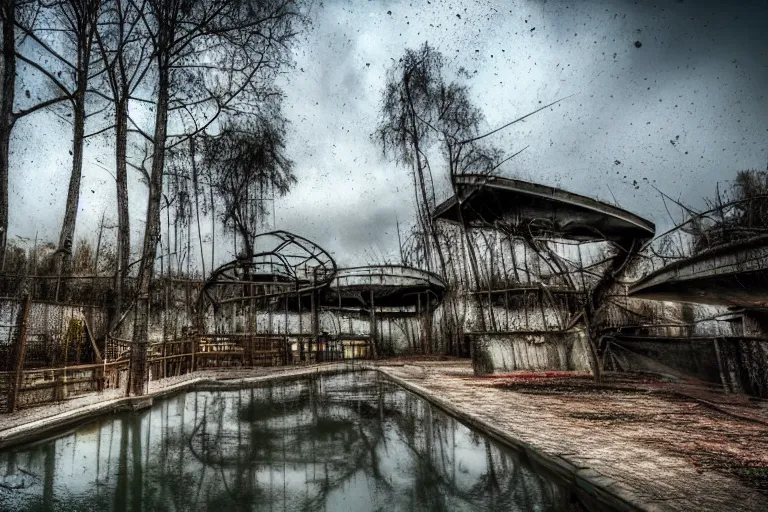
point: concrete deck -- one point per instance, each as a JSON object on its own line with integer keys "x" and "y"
{"x": 482, "y": 201}
{"x": 728, "y": 275}
{"x": 656, "y": 445}
{"x": 391, "y": 286}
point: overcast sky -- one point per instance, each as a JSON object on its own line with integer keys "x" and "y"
{"x": 698, "y": 79}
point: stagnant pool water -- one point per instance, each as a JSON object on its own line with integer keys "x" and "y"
{"x": 353, "y": 441}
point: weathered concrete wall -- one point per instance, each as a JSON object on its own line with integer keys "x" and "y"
{"x": 511, "y": 351}
{"x": 744, "y": 364}
{"x": 673, "y": 356}
{"x": 396, "y": 334}
{"x": 480, "y": 315}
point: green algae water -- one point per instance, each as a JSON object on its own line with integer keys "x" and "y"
{"x": 352, "y": 441}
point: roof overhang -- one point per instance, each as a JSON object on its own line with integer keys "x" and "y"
{"x": 538, "y": 210}
{"x": 735, "y": 274}
{"x": 390, "y": 285}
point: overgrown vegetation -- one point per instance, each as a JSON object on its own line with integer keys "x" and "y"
{"x": 738, "y": 213}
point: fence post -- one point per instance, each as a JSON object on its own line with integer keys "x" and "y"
{"x": 18, "y": 364}
{"x": 195, "y": 345}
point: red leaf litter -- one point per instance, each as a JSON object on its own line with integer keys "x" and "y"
{"x": 533, "y": 375}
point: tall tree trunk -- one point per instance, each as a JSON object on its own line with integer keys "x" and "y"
{"x": 420, "y": 166}
{"x": 196, "y": 191}
{"x": 139, "y": 373}
{"x": 213, "y": 226}
{"x": 66, "y": 236}
{"x": 123, "y": 220}
{"x": 6, "y": 116}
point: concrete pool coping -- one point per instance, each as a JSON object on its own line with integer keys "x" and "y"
{"x": 594, "y": 487}
{"x": 592, "y": 484}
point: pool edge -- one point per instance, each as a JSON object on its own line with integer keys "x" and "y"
{"x": 603, "y": 490}
{"x": 593, "y": 487}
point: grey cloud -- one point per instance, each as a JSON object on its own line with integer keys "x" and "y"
{"x": 700, "y": 74}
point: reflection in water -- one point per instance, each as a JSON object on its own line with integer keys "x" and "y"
{"x": 341, "y": 442}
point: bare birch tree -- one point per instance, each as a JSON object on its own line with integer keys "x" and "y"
{"x": 13, "y": 13}
{"x": 68, "y": 25}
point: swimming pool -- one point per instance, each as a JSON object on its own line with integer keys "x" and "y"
{"x": 349, "y": 441}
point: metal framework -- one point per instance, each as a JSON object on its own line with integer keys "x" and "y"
{"x": 541, "y": 229}
{"x": 547, "y": 221}
{"x": 286, "y": 264}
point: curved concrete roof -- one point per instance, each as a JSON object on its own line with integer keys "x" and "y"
{"x": 545, "y": 211}
{"x": 392, "y": 285}
{"x": 729, "y": 275}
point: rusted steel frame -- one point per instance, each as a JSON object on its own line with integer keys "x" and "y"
{"x": 262, "y": 283}
{"x": 428, "y": 278}
{"x": 266, "y": 295}
{"x": 95, "y": 379}
{"x": 79, "y": 368}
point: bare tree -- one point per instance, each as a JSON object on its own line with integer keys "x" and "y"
{"x": 407, "y": 113}
{"x": 8, "y": 13}
{"x": 71, "y": 24}
{"x": 420, "y": 109}
{"x": 123, "y": 45}
{"x": 13, "y": 13}
{"x": 247, "y": 163}
{"x": 210, "y": 57}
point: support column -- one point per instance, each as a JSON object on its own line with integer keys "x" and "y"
{"x": 315, "y": 322}
{"x": 301, "y": 327}
{"x": 286, "y": 296}
{"x": 373, "y": 326}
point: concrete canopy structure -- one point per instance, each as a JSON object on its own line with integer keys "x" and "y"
{"x": 538, "y": 210}
{"x": 734, "y": 274}
{"x": 387, "y": 285}
{"x": 529, "y": 302}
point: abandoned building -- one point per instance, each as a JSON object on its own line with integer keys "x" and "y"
{"x": 383, "y": 256}
{"x": 722, "y": 319}
{"x": 542, "y": 279}
{"x": 541, "y": 250}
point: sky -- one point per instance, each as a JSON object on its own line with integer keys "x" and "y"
{"x": 662, "y": 96}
